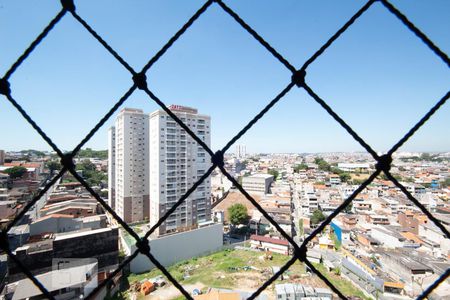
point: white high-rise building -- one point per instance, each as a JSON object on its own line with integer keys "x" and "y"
{"x": 111, "y": 167}
{"x": 241, "y": 151}
{"x": 176, "y": 163}
{"x": 132, "y": 165}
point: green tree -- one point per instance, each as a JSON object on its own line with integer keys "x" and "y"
{"x": 237, "y": 214}
{"x": 88, "y": 152}
{"x": 410, "y": 179}
{"x": 357, "y": 181}
{"x": 86, "y": 165}
{"x": 446, "y": 182}
{"x": 273, "y": 172}
{"x": 15, "y": 172}
{"x": 317, "y": 217}
{"x": 90, "y": 173}
{"x": 322, "y": 164}
{"x": 337, "y": 271}
{"x": 53, "y": 165}
{"x": 348, "y": 208}
{"x": 345, "y": 177}
{"x": 383, "y": 176}
{"x": 31, "y": 152}
{"x": 336, "y": 170}
{"x": 425, "y": 156}
{"x": 299, "y": 167}
{"x": 301, "y": 230}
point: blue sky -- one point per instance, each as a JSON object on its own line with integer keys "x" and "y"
{"x": 378, "y": 76}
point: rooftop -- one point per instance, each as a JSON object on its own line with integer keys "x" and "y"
{"x": 53, "y": 281}
{"x": 266, "y": 176}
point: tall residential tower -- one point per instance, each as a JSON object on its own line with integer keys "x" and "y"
{"x": 241, "y": 151}
{"x": 176, "y": 163}
{"x": 132, "y": 165}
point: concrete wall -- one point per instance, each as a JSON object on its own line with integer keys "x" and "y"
{"x": 180, "y": 246}
{"x": 101, "y": 245}
{"x": 54, "y": 224}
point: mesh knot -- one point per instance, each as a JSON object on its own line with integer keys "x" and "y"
{"x": 217, "y": 159}
{"x": 4, "y": 242}
{"x": 4, "y": 87}
{"x": 299, "y": 78}
{"x": 67, "y": 161}
{"x": 68, "y": 5}
{"x": 140, "y": 80}
{"x": 300, "y": 253}
{"x": 143, "y": 246}
{"x": 384, "y": 163}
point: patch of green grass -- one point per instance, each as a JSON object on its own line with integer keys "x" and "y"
{"x": 214, "y": 270}
{"x": 346, "y": 287}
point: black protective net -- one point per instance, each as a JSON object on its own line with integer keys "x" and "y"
{"x": 299, "y": 80}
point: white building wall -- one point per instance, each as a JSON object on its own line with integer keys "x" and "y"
{"x": 176, "y": 163}
{"x": 180, "y": 246}
{"x": 257, "y": 183}
{"x": 132, "y": 165}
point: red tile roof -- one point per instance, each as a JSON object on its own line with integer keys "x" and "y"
{"x": 267, "y": 239}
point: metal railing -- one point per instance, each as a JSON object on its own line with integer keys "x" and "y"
{"x": 298, "y": 79}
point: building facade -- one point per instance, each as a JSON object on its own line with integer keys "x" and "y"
{"x": 111, "y": 167}
{"x": 259, "y": 183}
{"x": 176, "y": 163}
{"x": 2, "y": 157}
{"x": 132, "y": 165}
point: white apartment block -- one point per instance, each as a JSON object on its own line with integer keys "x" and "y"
{"x": 259, "y": 183}
{"x": 176, "y": 163}
{"x": 132, "y": 165}
{"x": 111, "y": 167}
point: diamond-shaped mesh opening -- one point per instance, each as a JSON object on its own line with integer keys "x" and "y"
{"x": 153, "y": 17}
{"x": 372, "y": 81}
{"x": 75, "y": 79}
{"x": 304, "y": 17}
{"x": 19, "y": 37}
{"x": 383, "y": 164}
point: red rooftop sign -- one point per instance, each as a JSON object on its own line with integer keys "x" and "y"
{"x": 181, "y": 108}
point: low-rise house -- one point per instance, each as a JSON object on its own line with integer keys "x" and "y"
{"x": 266, "y": 243}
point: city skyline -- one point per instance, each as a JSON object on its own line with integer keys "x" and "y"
{"x": 348, "y": 74}
{"x": 295, "y": 204}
